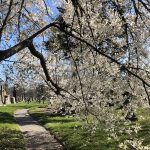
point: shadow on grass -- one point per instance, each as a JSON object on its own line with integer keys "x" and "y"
{"x": 144, "y": 133}
{"x": 6, "y": 118}
{"x": 11, "y": 139}
{"x": 71, "y": 134}
{"x": 50, "y": 118}
{"x": 20, "y": 106}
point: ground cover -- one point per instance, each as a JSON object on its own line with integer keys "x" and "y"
{"x": 67, "y": 129}
{"x": 71, "y": 133}
{"x": 75, "y": 137}
{"x": 10, "y": 135}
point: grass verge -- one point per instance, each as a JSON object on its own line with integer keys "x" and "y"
{"x": 10, "y": 134}
{"x": 71, "y": 133}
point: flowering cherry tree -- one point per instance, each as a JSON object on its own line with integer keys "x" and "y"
{"x": 96, "y": 53}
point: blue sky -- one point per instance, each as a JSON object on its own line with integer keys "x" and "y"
{"x": 4, "y": 45}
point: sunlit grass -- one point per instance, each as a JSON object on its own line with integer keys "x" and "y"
{"x": 72, "y": 134}
{"x": 10, "y": 134}
{"x": 68, "y": 129}
{"x": 75, "y": 137}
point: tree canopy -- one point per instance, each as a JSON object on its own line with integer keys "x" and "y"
{"x": 116, "y": 30}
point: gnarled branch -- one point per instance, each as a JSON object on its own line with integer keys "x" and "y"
{"x": 37, "y": 54}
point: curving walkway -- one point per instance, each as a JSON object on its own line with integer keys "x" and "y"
{"x": 36, "y": 137}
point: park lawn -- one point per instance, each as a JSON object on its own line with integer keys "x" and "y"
{"x": 71, "y": 133}
{"x": 145, "y": 123}
{"x": 67, "y": 129}
{"x": 10, "y": 135}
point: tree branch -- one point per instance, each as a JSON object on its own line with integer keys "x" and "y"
{"x": 37, "y": 54}
{"x": 6, "y": 18}
{"x": 20, "y": 46}
{"x": 123, "y": 67}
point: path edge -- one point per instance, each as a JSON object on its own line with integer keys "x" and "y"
{"x": 55, "y": 137}
{"x": 20, "y": 130}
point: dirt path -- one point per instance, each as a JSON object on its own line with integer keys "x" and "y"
{"x": 36, "y": 136}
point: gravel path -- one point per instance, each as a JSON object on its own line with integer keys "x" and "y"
{"x": 36, "y": 136}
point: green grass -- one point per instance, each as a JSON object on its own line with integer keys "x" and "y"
{"x": 145, "y": 126}
{"x": 75, "y": 137}
{"x": 10, "y": 135}
{"x": 71, "y": 133}
{"x": 67, "y": 129}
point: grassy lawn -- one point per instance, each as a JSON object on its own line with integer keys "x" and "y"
{"x": 71, "y": 133}
{"x": 145, "y": 123}
{"x": 67, "y": 129}
{"x": 10, "y": 135}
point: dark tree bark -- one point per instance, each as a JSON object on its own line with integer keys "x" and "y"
{"x": 4, "y": 54}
